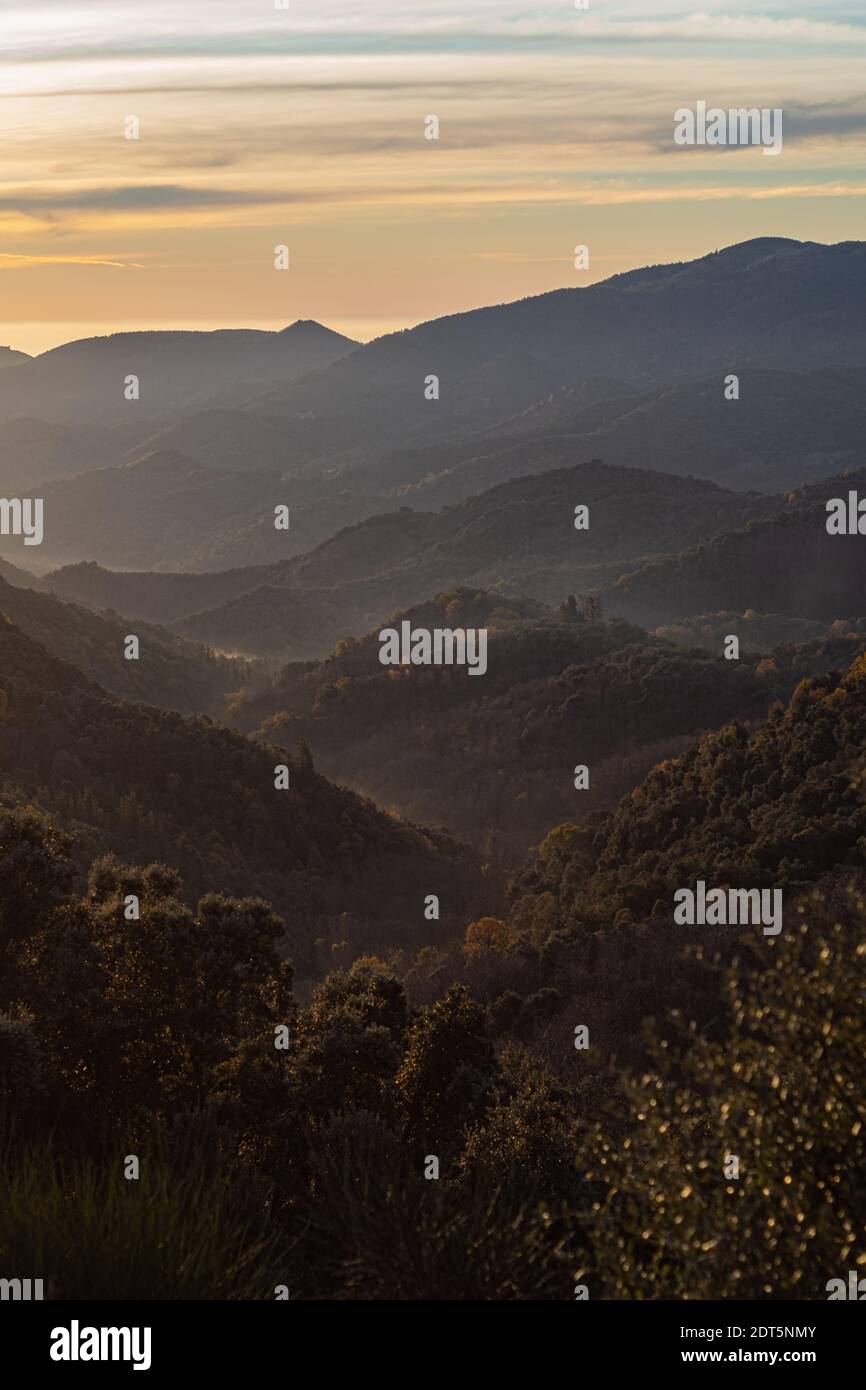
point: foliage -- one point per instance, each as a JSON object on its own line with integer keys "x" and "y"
{"x": 784, "y": 1093}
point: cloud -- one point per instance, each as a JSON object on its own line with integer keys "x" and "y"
{"x": 11, "y": 260}
{"x": 678, "y": 193}
{"x": 138, "y": 198}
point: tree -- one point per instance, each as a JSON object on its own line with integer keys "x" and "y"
{"x": 488, "y": 934}
{"x": 447, "y": 1079}
{"x": 783, "y": 1095}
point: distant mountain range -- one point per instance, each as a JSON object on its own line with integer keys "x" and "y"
{"x": 610, "y": 397}
{"x": 34, "y": 451}
{"x": 519, "y": 537}
{"x": 678, "y": 547}
{"x": 167, "y": 510}
{"x": 658, "y": 549}
{"x": 84, "y": 381}
{"x": 787, "y": 427}
{"x": 631, "y": 371}
{"x": 772, "y": 303}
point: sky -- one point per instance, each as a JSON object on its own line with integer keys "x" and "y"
{"x": 304, "y": 126}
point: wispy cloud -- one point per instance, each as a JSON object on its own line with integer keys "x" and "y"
{"x": 13, "y": 260}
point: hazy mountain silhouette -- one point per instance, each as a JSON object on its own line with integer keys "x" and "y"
{"x": 630, "y": 370}
{"x": 771, "y": 302}
{"x": 157, "y": 598}
{"x": 148, "y": 513}
{"x": 519, "y": 537}
{"x": 786, "y": 427}
{"x": 167, "y": 510}
{"x": 281, "y": 401}
{"x": 10, "y": 357}
{"x": 84, "y": 381}
{"x": 32, "y": 451}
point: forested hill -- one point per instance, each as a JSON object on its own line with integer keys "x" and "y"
{"x": 149, "y": 594}
{"x": 786, "y": 563}
{"x": 777, "y": 806}
{"x": 520, "y": 537}
{"x": 493, "y": 759}
{"x": 150, "y": 785}
{"x": 170, "y": 672}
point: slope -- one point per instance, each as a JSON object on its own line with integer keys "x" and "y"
{"x": 149, "y": 785}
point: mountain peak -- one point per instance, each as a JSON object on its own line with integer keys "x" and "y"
{"x": 9, "y": 356}
{"x": 311, "y": 328}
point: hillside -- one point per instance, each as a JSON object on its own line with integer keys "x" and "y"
{"x": 786, "y": 427}
{"x": 776, "y": 805}
{"x": 153, "y": 597}
{"x": 232, "y": 440}
{"x": 21, "y": 578}
{"x": 277, "y": 622}
{"x": 165, "y": 510}
{"x": 519, "y": 538}
{"x": 143, "y": 514}
{"x": 757, "y": 632}
{"x": 32, "y": 451}
{"x": 493, "y": 758}
{"x": 169, "y": 672}
{"x": 150, "y": 785}
{"x": 785, "y": 564}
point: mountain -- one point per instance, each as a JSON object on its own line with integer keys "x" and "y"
{"x": 150, "y": 785}
{"x": 757, "y": 632}
{"x": 169, "y": 672}
{"x": 774, "y": 804}
{"x": 519, "y": 538}
{"x": 9, "y": 357}
{"x": 522, "y": 532}
{"x": 21, "y": 578}
{"x": 275, "y": 621}
{"x": 494, "y": 757}
{"x": 561, "y": 406}
{"x": 777, "y": 806}
{"x": 231, "y": 440}
{"x": 32, "y": 451}
{"x": 155, "y": 598}
{"x": 785, "y": 564}
{"x": 772, "y": 303}
{"x": 786, "y": 427}
{"x": 84, "y": 381}
{"x": 143, "y": 514}
{"x": 166, "y": 510}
